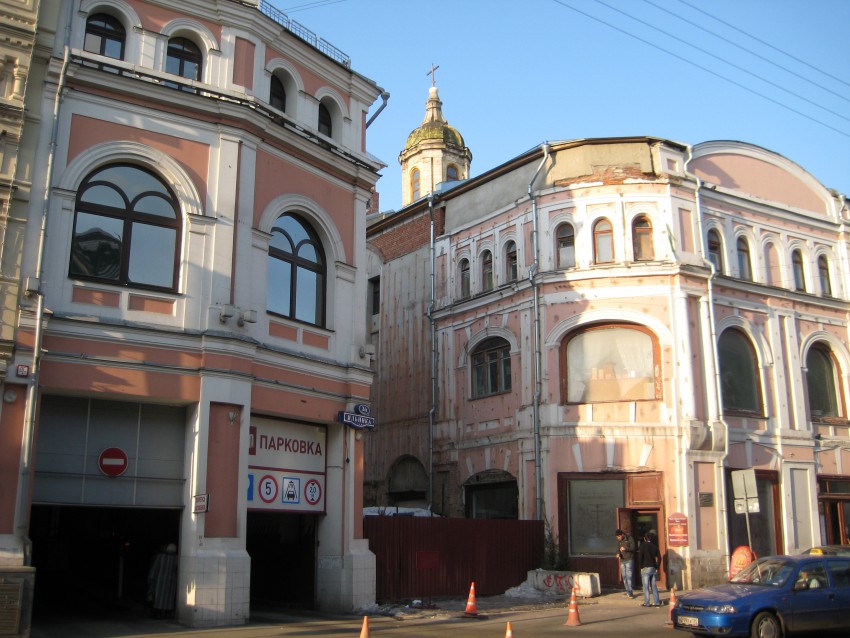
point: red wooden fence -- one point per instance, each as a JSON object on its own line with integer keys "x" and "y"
{"x": 419, "y": 557}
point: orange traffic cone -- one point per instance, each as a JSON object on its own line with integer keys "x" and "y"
{"x": 508, "y": 632}
{"x": 573, "y": 619}
{"x": 471, "y": 609}
{"x": 364, "y": 632}
{"x": 671, "y": 603}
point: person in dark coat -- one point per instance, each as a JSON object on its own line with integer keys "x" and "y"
{"x": 626, "y": 555}
{"x": 162, "y": 582}
{"x": 649, "y": 561}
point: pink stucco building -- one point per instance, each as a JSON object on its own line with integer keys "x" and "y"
{"x": 600, "y": 332}
{"x": 189, "y": 220}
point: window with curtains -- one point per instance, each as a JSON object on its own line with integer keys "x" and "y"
{"x": 566, "y": 247}
{"x": 491, "y": 367}
{"x": 745, "y": 269}
{"x": 610, "y": 362}
{"x": 823, "y": 382}
{"x": 740, "y": 383}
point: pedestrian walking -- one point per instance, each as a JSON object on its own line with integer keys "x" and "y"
{"x": 626, "y": 556}
{"x": 649, "y": 561}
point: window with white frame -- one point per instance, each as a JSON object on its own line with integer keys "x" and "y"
{"x": 715, "y": 250}
{"x": 566, "y": 246}
{"x": 603, "y": 242}
{"x": 745, "y": 269}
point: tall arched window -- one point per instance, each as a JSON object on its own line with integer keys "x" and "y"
{"x": 739, "y": 374}
{"x": 486, "y": 270}
{"x": 296, "y": 270}
{"x": 126, "y": 229}
{"x": 799, "y": 273}
{"x": 715, "y": 250}
{"x": 105, "y": 35}
{"x": 415, "y": 184}
{"x": 325, "y": 121}
{"x": 745, "y": 269}
{"x": 463, "y": 273}
{"x": 491, "y": 367}
{"x": 603, "y": 242}
{"x": 566, "y": 246}
{"x": 277, "y": 94}
{"x": 510, "y": 261}
{"x": 823, "y": 383}
{"x": 642, "y": 239}
{"x": 823, "y": 276}
{"x": 183, "y": 58}
{"x": 610, "y": 362}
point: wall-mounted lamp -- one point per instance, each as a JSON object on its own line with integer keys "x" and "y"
{"x": 247, "y": 316}
{"x": 227, "y": 311}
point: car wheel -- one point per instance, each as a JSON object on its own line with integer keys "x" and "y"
{"x": 766, "y": 625}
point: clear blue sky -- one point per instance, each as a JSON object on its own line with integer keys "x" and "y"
{"x": 515, "y": 74}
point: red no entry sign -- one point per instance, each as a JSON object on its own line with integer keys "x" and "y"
{"x": 113, "y": 461}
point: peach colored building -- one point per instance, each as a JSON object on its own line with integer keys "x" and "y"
{"x": 192, "y": 238}
{"x": 600, "y": 332}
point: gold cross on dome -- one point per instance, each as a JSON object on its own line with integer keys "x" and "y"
{"x": 433, "y": 74}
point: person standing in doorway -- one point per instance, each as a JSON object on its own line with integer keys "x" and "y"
{"x": 162, "y": 582}
{"x": 626, "y": 556}
{"x": 649, "y": 561}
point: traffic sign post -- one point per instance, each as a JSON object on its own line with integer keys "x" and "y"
{"x": 113, "y": 462}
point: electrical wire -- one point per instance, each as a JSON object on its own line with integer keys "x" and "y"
{"x": 311, "y": 5}
{"x": 566, "y": 5}
{"x": 750, "y": 51}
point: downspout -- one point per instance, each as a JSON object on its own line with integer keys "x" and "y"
{"x": 32, "y": 288}
{"x": 385, "y": 97}
{"x": 431, "y": 304}
{"x": 538, "y": 357}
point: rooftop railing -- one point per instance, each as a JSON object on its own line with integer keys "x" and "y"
{"x": 298, "y": 29}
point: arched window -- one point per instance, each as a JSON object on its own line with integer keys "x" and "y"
{"x": 745, "y": 269}
{"x": 126, "y": 229}
{"x": 451, "y": 173}
{"x": 823, "y": 383}
{"x": 105, "y": 35}
{"x": 277, "y": 94}
{"x": 603, "y": 242}
{"x": 183, "y": 58}
{"x": 715, "y": 250}
{"x": 799, "y": 273}
{"x": 296, "y": 287}
{"x": 566, "y": 249}
{"x": 486, "y": 270}
{"x": 610, "y": 362}
{"x": 415, "y": 184}
{"x": 491, "y": 367}
{"x": 463, "y": 272}
{"x": 510, "y": 261}
{"x": 642, "y": 239}
{"x": 823, "y": 276}
{"x": 739, "y": 374}
{"x": 325, "y": 121}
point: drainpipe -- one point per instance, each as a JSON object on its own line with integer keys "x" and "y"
{"x": 33, "y": 290}
{"x": 385, "y": 97}
{"x": 431, "y": 304}
{"x": 538, "y": 365}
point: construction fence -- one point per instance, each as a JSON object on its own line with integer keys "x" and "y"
{"x": 421, "y": 557}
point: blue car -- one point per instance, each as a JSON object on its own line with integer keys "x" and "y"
{"x": 771, "y": 598}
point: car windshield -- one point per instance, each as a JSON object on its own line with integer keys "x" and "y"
{"x": 765, "y": 571}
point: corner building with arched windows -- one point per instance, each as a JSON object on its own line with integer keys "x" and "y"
{"x": 599, "y": 332}
{"x": 189, "y": 225}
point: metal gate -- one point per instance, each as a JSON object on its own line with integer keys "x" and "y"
{"x": 421, "y": 557}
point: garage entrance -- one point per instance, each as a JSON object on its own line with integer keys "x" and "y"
{"x": 282, "y": 547}
{"x": 88, "y": 559}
